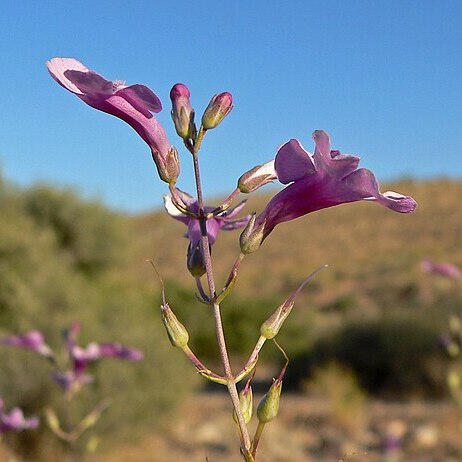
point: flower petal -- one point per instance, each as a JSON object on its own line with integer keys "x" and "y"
{"x": 363, "y": 183}
{"x": 173, "y": 211}
{"x": 142, "y": 98}
{"x": 332, "y": 162}
{"x": 132, "y": 104}
{"x": 58, "y": 66}
{"x": 293, "y": 162}
{"x": 229, "y": 225}
{"x": 118, "y": 350}
{"x": 15, "y": 420}
{"x": 89, "y": 82}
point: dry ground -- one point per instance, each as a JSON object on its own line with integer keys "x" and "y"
{"x": 306, "y": 431}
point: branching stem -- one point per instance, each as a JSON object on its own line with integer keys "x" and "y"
{"x": 205, "y": 247}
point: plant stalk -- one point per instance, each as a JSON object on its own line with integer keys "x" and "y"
{"x": 205, "y": 247}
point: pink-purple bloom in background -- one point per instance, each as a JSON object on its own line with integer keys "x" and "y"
{"x": 132, "y": 103}
{"x": 320, "y": 180}
{"x": 79, "y": 357}
{"x": 32, "y": 340}
{"x": 447, "y": 270}
{"x": 15, "y": 420}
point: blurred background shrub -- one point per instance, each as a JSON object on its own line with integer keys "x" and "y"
{"x": 372, "y": 313}
{"x": 63, "y": 259}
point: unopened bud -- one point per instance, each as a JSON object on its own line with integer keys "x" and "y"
{"x": 271, "y": 327}
{"x": 455, "y": 325}
{"x": 176, "y": 332}
{"x": 251, "y": 238}
{"x": 453, "y": 380}
{"x": 246, "y": 403}
{"x": 453, "y": 349}
{"x": 257, "y": 177}
{"x": 92, "y": 444}
{"x": 219, "y": 107}
{"x": 182, "y": 112}
{"x": 195, "y": 260}
{"x": 268, "y": 407}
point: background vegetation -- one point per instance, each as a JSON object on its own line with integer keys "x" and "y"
{"x": 372, "y": 312}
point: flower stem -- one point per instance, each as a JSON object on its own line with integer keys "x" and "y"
{"x": 252, "y": 361}
{"x": 256, "y": 438}
{"x": 205, "y": 246}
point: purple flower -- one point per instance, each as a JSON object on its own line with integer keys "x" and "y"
{"x": 32, "y": 340}
{"x": 223, "y": 221}
{"x": 81, "y": 358}
{"x": 15, "y": 420}
{"x": 71, "y": 380}
{"x": 116, "y": 350}
{"x": 322, "y": 180}
{"x": 134, "y": 104}
{"x": 94, "y": 351}
{"x": 447, "y": 270}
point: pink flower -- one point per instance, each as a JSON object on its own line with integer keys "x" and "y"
{"x": 15, "y": 420}
{"x": 322, "y": 180}
{"x": 81, "y": 358}
{"x": 32, "y": 340}
{"x": 447, "y": 270}
{"x": 134, "y": 104}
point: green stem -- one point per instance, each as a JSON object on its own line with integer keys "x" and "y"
{"x": 252, "y": 361}
{"x": 256, "y": 438}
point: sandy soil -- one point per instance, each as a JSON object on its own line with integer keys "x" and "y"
{"x": 307, "y": 430}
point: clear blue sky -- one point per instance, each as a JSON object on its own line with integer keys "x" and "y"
{"x": 383, "y": 77}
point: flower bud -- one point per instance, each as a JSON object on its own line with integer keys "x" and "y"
{"x": 182, "y": 112}
{"x": 219, "y": 107}
{"x": 195, "y": 260}
{"x": 454, "y": 381}
{"x": 271, "y": 327}
{"x": 455, "y": 325}
{"x": 257, "y": 177}
{"x": 246, "y": 403}
{"x": 453, "y": 350}
{"x": 176, "y": 332}
{"x": 251, "y": 238}
{"x": 268, "y": 407}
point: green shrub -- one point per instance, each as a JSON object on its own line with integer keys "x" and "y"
{"x": 395, "y": 356}
{"x": 63, "y": 259}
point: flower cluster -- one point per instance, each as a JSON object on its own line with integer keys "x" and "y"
{"x": 71, "y": 379}
{"x": 311, "y": 182}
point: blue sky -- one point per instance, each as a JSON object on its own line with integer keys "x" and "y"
{"x": 384, "y": 78}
